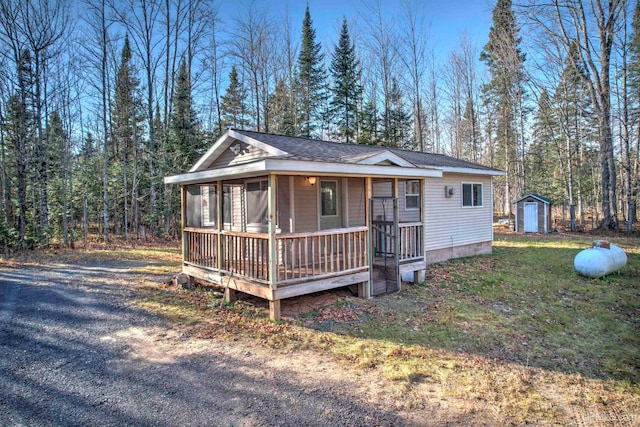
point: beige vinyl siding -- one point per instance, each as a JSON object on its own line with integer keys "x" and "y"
{"x": 284, "y": 208}
{"x": 356, "y": 196}
{"x": 305, "y": 205}
{"x": 410, "y": 215}
{"x": 228, "y": 158}
{"x": 448, "y": 224}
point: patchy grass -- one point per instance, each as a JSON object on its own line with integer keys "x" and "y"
{"x": 162, "y": 256}
{"x": 517, "y": 334}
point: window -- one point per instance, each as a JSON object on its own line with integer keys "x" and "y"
{"x": 257, "y": 202}
{"x": 329, "y": 198}
{"x": 471, "y": 195}
{"x": 412, "y": 195}
{"x": 209, "y": 205}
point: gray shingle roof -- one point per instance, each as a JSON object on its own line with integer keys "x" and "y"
{"x": 327, "y": 151}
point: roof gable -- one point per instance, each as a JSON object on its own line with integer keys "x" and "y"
{"x": 225, "y": 143}
{"x": 536, "y": 196}
{"x": 386, "y": 157}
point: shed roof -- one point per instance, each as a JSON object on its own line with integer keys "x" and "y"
{"x": 536, "y": 196}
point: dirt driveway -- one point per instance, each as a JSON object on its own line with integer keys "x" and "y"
{"x": 74, "y": 351}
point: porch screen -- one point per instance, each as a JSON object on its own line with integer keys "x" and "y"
{"x": 209, "y": 205}
{"x": 257, "y": 202}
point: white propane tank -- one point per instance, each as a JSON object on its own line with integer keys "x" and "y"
{"x": 601, "y": 259}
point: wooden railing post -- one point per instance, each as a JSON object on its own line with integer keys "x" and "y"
{"x": 274, "y": 306}
{"x": 219, "y": 220}
{"x": 183, "y": 221}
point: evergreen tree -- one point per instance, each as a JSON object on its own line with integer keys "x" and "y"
{"x": 310, "y": 78}
{"x": 234, "y": 103}
{"x": 127, "y": 118}
{"x": 542, "y": 158}
{"x": 184, "y": 132}
{"x": 504, "y": 94}
{"x": 469, "y": 133}
{"x": 280, "y": 114}
{"x": 397, "y": 131}
{"x": 346, "y": 89}
{"x": 368, "y": 134}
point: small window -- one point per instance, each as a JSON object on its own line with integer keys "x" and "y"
{"x": 471, "y": 195}
{"x": 329, "y": 198}
{"x": 209, "y": 205}
{"x": 412, "y": 195}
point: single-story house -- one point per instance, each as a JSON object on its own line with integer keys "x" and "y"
{"x": 277, "y": 216}
{"x": 533, "y": 214}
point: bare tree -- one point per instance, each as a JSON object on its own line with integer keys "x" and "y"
{"x": 591, "y": 26}
{"x": 416, "y": 36}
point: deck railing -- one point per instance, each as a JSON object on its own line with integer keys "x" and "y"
{"x": 299, "y": 256}
{"x": 246, "y": 255}
{"x": 201, "y": 247}
{"x": 318, "y": 254}
{"x": 410, "y": 240}
{"x": 409, "y": 235}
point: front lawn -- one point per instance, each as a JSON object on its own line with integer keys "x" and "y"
{"x": 518, "y": 335}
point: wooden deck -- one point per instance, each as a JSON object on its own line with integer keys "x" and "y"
{"x": 301, "y": 263}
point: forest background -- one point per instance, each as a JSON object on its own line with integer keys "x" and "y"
{"x": 100, "y": 99}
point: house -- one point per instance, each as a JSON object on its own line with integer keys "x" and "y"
{"x": 533, "y": 214}
{"x": 277, "y": 216}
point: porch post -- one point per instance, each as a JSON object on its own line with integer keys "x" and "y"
{"x": 396, "y": 233}
{"x": 183, "y": 220}
{"x": 274, "y": 305}
{"x": 368, "y": 286}
{"x": 419, "y": 274}
{"x": 219, "y": 219}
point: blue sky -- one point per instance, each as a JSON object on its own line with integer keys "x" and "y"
{"x": 446, "y": 18}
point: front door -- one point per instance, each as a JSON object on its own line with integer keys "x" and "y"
{"x": 530, "y": 217}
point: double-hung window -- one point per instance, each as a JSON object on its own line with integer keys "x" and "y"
{"x": 412, "y": 195}
{"x": 471, "y": 195}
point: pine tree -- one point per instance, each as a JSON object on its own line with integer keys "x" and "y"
{"x": 368, "y": 134}
{"x": 234, "y": 103}
{"x": 310, "y": 78}
{"x": 346, "y": 89}
{"x": 469, "y": 133}
{"x": 504, "y": 94}
{"x": 127, "y": 118}
{"x": 396, "y": 133}
{"x": 545, "y": 171}
{"x": 184, "y": 130}
{"x": 280, "y": 114}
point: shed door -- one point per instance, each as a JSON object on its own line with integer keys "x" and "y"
{"x": 530, "y": 217}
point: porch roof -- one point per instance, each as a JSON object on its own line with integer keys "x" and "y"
{"x": 301, "y": 156}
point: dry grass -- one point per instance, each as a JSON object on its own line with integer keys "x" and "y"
{"x": 517, "y": 334}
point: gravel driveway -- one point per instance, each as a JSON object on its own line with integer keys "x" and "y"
{"x": 73, "y": 351}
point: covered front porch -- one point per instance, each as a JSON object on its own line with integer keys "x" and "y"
{"x": 279, "y": 236}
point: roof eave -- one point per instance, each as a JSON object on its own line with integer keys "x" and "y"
{"x": 472, "y": 171}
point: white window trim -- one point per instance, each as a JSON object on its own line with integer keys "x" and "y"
{"x": 406, "y": 194}
{"x": 320, "y": 181}
{"x": 472, "y": 206}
